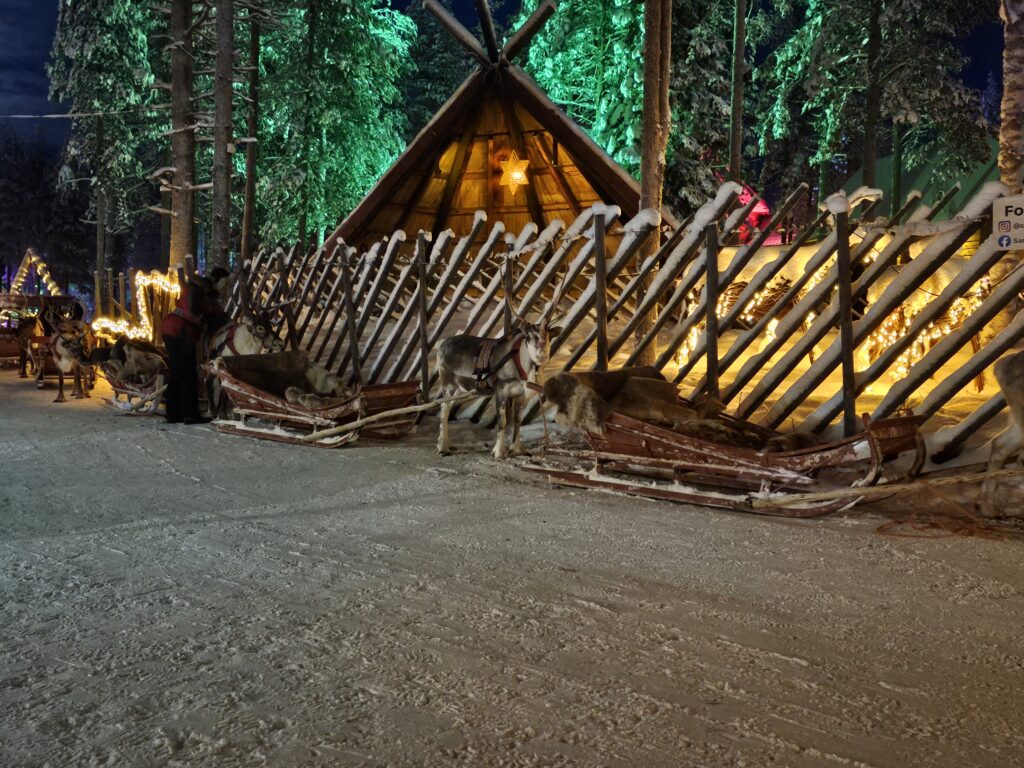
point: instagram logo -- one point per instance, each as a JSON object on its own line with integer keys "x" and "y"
{"x": 1004, "y": 226}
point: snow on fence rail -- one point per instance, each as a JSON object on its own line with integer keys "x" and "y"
{"x": 374, "y": 315}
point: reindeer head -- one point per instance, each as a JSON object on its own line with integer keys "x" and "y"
{"x": 261, "y": 326}
{"x": 537, "y": 338}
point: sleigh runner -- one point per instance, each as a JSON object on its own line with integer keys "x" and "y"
{"x": 640, "y": 458}
{"x": 256, "y": 386}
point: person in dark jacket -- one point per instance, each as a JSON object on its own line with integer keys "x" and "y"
{"x": 181, "y": 330}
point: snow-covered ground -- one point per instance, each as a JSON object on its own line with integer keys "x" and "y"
{"x": 170, "y": 596}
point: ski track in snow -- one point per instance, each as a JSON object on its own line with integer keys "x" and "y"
{"x": 170, "y": 596}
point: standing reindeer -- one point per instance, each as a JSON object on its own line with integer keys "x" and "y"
{"x": 27, "y": 328}
{"x": 72, "y": 344}
{"x": 501, "y": 366}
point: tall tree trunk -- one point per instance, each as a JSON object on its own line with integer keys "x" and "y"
{"x": 896, "y": 194}
{"x": 657, "y": 120}
{"x": 101, "y": 249}
{"x": 251, "y": 148}
{"x": 1011, "y": 127}
{"x": 165, "y": 220}
{"x": 873, "y": 94}
{"x": 739, "y": 44}
{"x": 183, "y": 138}
{"x": 307, "y": 125}
{"x": 223, "y": 148}
{"x": 101, "y": 220}
{"x": 1011, "y": 136}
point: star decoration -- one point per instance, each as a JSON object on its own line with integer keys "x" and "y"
{"x": 514, "y": 172}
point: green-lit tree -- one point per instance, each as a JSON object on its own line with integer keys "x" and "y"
{"x": 101, "y": 70}
{"x": 330, "y": 121}
{"x": 852, "y": 69}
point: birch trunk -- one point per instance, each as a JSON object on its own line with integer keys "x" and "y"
{"x": 657, "y": 119}
{"x": 183, "y": 138}
{"x": 220, "y": 234}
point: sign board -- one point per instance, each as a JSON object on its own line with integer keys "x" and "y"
{"x": 1008, "y": 223}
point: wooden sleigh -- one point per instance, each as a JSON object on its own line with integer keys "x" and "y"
{"x": 643, "y": 459}
{"x": 257, "y": 397}
{"x": 139, "y": 398}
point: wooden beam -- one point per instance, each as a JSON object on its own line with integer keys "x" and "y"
{"x": 525, "y": 34}
{"x": 557, "y": 175}
{"x": 529, "y": 189}
{"x": 434, "y": 133}
{"x": 459, "y": 32}
{"x": 459, "y": 163}
{"x": 483, "y": 8}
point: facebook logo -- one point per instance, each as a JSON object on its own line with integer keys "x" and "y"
{"x": 1004, "y": 241}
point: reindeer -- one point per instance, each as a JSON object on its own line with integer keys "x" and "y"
{"x": 1009, "y": 372}
{"x": 72, "y": 345}
{"x": 251, "y": 335}
{"x": 27, "y": 328}
{"x": 498, "y": 366}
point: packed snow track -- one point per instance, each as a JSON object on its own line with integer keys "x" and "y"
{"x": 171, "y": 596}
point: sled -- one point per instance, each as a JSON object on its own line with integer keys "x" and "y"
{"x": 643, "y": 459}
{"x": 257, "y": 396}
{"x": 140, "y": 398}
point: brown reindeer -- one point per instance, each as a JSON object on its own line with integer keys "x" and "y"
{"x": 71, "y": 346}
{"x": 27, "y": 328}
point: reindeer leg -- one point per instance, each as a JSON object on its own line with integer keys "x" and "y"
{"x": 60, "y": 386}
{"x": 501, "y": 400}
{"x": 23, "y": 360}
{"x": 1006, "y": 444}
{"x": 517, "y": 419}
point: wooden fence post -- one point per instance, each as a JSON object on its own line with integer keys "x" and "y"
{"x": 845, "y": 279}
{"x": 421, "y": 268}
{"x": 711, "y": 308}
{"x": 350, "y": 312}
{"x": 601, "y": 291}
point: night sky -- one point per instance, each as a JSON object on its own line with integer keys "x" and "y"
{"x": 27, "y": 26}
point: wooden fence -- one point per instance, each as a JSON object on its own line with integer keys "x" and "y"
{"x": 772, "y": 331}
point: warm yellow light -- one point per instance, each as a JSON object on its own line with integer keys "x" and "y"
{"x": 513, "y": 173}
{"x": 109, "y": 328}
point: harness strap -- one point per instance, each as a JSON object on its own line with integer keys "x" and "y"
{"x": 487, "y": 374}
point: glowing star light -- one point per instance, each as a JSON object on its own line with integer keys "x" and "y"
{"x": 513, "y": 173}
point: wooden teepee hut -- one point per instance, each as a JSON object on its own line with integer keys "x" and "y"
{"x": 498, "y": 145}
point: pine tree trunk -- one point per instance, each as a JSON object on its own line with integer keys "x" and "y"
{"x": 101, "y": 248}
{"x": 873, "y": 94}
{"x": 1011, "y": 136}
{"x": 165, "y": 220}
{"x": 249, "y": 212}
{"x": 739, "y": 43}
{"x": 220, "y": 226}
{"x": 1011, "y": 127}
{"x": 183, "y": 138}
{"x": 896, "y": 194}
{"x": 657, "y": 119}
{"x": 307, "y": 125}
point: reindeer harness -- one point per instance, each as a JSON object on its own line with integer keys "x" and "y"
{"x": 486, "y": 374}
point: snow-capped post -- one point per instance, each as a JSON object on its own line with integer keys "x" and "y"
{"x": 421, "y": 268}
{"x": 506, "y": 287}
{"x": 345, "y": 275}
{"x": 840, "y": 207}
{"x": 601, "y": 291}
{"x": 711, "y": 308}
